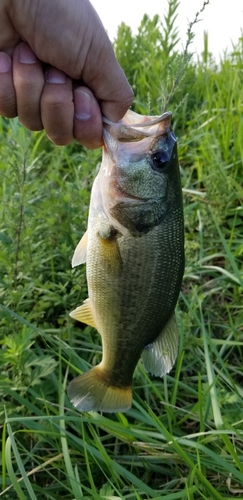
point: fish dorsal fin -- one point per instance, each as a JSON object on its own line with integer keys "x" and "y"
{"x": 79, "y": 256}
{"x": 159, "y": 357}
{"x": 84, "y": 313}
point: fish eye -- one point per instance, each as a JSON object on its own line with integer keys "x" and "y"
{"x": 160, "y": 160}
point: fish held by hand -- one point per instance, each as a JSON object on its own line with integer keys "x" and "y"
{"x": 134, "y": 254}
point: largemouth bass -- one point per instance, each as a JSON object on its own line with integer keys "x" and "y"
{"x": 134, "y": 251}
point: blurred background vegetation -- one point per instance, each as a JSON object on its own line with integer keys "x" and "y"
{"x": 183, "y": 437}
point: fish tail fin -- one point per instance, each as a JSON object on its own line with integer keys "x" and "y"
{"x": 93, "y": 391}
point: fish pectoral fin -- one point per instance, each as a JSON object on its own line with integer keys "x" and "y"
{"x": 110, "y": 251}
{"x": 159, "y": 357}
{"x": 79, "y": 256}
{"x": 84, "y": 314}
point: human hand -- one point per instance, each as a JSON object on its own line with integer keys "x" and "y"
{"x": 58, "y": 70}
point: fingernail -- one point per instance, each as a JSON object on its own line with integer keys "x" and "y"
{"x": 26, "y": 55}
{"x": 5, "y": 62}
{"x": 54, "y": 75}
{"x": 82, "y": 105}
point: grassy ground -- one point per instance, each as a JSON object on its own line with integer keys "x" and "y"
{"x": 183, "y": 436}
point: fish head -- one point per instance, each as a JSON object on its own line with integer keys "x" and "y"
{"x": 138, "y": 170}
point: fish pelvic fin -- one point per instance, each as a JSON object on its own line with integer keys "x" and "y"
{"x": 93, "y": 391}
{"x": 159, "y": 357}
{"x": 84, "y": 314}
{"x": 79, "y": 256}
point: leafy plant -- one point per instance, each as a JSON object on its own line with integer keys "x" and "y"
{"x": 182, "y": 438}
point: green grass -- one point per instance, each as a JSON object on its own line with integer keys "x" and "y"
{"x": 183, "y": 436}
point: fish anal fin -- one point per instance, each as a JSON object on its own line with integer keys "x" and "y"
{"x": 159, "y": 357}
{"x": 79, "y": 256}
{"x": 84, "y": 313}
{"x": 110, "y": 249}
{"x": 92, "y": 391}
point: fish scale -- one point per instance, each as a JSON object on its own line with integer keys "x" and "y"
{"x": 134, "y": 254}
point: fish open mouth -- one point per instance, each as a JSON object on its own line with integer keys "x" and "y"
{"x": 134, "y": 127}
